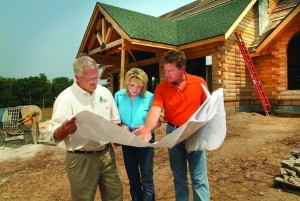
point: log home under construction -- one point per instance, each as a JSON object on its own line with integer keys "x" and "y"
{"x": 119, "y": 39}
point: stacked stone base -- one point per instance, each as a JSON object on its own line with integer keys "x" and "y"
{"x": 289, "y": 178}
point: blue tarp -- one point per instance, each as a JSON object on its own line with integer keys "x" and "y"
{"x": 2, "y": 110}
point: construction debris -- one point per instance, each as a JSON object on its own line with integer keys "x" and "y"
{"x": 289, "y": 178}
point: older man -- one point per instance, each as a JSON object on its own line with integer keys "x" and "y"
{"x": 92, "y": 164}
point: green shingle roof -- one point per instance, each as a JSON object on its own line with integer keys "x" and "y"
{"x": 209, "y": 23}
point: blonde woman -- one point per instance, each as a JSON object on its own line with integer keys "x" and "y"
{"x": 134, "y": 102}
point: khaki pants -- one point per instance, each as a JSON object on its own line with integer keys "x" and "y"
{"x": 86, "y": 171}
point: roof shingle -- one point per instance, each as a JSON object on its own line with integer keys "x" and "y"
{"x": 209, "y": 23}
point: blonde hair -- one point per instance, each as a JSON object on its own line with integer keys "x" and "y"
{"x": 84, "y": 62}
{"x": 138, "y": 75}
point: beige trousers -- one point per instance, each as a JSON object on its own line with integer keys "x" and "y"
{"x": 86, "y": 171}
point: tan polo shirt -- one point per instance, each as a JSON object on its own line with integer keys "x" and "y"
{"x": 74, "y": 100}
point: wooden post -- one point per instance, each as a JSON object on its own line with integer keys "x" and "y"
{"x": 122, "y": 69}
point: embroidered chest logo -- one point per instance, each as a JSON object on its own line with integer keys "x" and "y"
{"x": 102, "y": 99}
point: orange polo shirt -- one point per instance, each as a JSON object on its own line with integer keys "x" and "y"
{"x": 179, "y": 106}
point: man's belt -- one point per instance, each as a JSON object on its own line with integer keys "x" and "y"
{"x": 88, "y": 152}
{"x": 173, "y": 125}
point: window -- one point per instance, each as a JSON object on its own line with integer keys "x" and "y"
{"x": 293, "y": 59}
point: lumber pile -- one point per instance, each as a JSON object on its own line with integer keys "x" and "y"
{"x": 289, "y": 178}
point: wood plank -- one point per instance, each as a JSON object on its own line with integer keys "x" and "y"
{"x": 108, "y": 34}
{"x": 108, "y": 46}
{"x": 93, "y": 38}
{"x": 107, "y": 60}
{"x": 122, "y": 69}
{"x": 202, "y": 42}
{"x": 103, "y": 28}
{"x": 99, "y": 38}
{"x": 84, "y": 41}
{"x": 151, "y": 44}
{"x": 143, "y": 62}
{"x": 129, "y": 45}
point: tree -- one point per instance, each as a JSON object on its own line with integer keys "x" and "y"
{"x": 34, "y": 90}
{"x": 6, "y": 85}
{"x": 59, "y": 84}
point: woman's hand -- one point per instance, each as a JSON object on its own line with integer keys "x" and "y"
{"x": 138, "y": 129}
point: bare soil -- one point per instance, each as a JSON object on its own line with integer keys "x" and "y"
{"x": 243, "y": 168}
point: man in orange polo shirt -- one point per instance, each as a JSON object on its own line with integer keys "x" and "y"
{"x": 180, "y": 95}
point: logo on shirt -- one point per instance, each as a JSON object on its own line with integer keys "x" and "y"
{"x": 102, "y": 99}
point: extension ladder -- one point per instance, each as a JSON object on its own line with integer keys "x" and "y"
{"x": 252, "y": 70}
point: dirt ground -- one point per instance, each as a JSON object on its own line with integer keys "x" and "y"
{"x": 243, "y": 168}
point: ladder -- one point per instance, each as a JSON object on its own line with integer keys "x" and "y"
{"x": 252, "y": 70}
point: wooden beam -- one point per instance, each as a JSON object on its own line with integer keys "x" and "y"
{"x": 116, "y": 50}
{"x": 131, "y": 54}
{"x": 92, "y": 41}
{"x": 108, "y": 34}
{"x": 122, "y": 69}
{"x": 99, "y": 37}
{"x": 108, "y": 46}
{"x": 152, "y": 44}
{"x": 82, "y": 54}
{"x": 143, "y": 62}
{"x": 129, "y": 45}
{"x": 278, "y": 30}
{"x": 103, "y": 28}
{"x": 202, "y": 42}
{"x": 105, "y": 66}
{"x": 107, "y": 60}
{"x": 88, "y": 31}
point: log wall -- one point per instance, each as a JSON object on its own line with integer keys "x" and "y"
{"x": 272, "y": 5}
{"x": 272, "y": 67}
{"x": 234, "y": 77}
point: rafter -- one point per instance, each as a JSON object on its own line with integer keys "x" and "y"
{"x": 108, "y": 46}
{"x": 108, "y": 34}
{"x": 93, "y": 38}
{"x": 99, "y": 38}
{"x": 103, "y": 28}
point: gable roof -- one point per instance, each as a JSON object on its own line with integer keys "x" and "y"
{"x": 209, "y": 23}
{"x": 285, "y": 11}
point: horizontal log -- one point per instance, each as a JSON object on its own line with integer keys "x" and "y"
{"x": 237, "y": 91}
{"x": 288, "y": 102}
{"x": 289, "y": 97}
{"x": 244, "y": 98}
{"x": 248, "y": 94}
{"x": 233, "y": 82}
{"x": 233, "y": 78}
{"x": 290, "y": 93}
{"x": 238, "y": 86}
{"x": 235, "y": 70}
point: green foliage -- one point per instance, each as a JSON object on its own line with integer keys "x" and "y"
{"x": 59, "y": 84}
{"x": 6, "y": 96}
{"x": 36, "y": 90}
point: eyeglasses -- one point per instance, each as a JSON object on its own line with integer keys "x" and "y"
{"x": 90, "y": 80}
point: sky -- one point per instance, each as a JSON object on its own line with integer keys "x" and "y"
{"x": 44, "y": 36}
